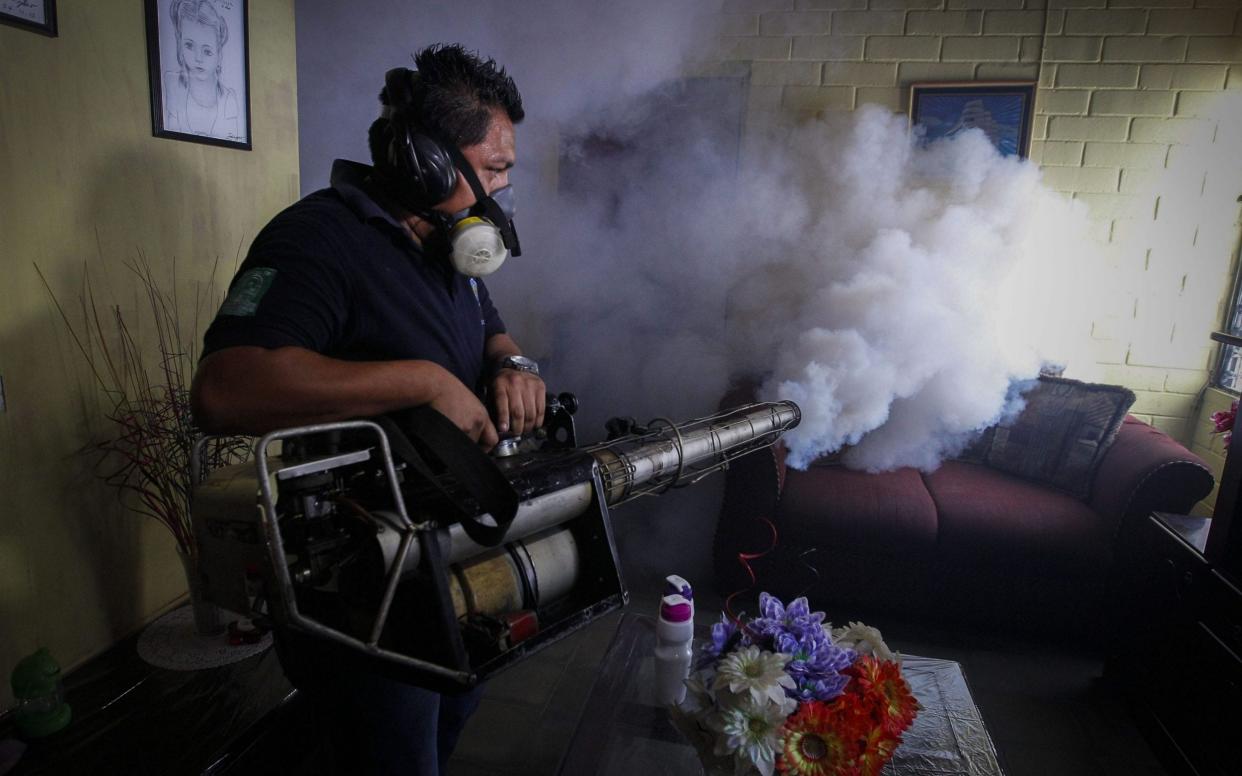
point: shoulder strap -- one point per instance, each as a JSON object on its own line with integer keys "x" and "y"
{"x": 463, "y": 459}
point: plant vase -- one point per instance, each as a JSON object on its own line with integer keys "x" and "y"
{"x": 192, "y": 638}
{"x": 208, "y": 619}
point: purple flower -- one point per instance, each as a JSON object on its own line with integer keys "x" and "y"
{"x": 776, "y": 618}
{"x": 814, "y": 654}
{"x": 819, "y": 689}
{"x": 725, "y": 636}
{"x": 815, "y": 661}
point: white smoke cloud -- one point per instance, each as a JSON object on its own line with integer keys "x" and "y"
{"x": 920, "y": 293}
{"x": 895, "y": 293}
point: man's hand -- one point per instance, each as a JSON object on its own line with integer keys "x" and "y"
{"x": 520, "y": 399}
{"x": 459, "y": 404}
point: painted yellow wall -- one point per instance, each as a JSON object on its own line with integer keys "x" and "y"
{"x": 83, "y": 184}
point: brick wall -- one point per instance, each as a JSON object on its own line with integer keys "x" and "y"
{"x": 1128, "y": 118}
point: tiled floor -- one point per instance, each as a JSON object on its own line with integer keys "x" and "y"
{"x": 1046, "y": 708}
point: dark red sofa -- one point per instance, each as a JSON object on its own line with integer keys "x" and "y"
{"x": 964, "y": 544}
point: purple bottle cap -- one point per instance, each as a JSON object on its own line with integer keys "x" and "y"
{"x": 675, "y": 608}
{"x": 675, "y": 585}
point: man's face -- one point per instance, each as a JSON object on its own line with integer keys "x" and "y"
{"x": 491, "y": 159}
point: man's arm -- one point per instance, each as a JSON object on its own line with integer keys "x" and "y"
{"x": 253, "y": 390}
{"x": 500, "y": 345}
{"x": 519, "y": 397}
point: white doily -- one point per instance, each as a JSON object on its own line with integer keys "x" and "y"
{"x": 170, "y": 642}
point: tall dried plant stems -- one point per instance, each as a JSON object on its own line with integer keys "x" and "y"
{"x": 147, "y": 455}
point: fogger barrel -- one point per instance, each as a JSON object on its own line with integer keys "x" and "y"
{"x": 666, "y": 455}
{"x": 673, "y": 455}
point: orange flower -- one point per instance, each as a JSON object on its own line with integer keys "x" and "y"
{"x": 824, "y": 739}
{"x": 877, "y": 750}
{"x": 880, "y": 683}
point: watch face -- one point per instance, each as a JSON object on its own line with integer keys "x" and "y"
{"x": 520, "y": 363}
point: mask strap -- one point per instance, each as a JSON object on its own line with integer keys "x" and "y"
{"x": 441, "y": 223}
{"x": 491, "y": 210}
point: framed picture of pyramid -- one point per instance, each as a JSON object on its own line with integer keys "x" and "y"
{"x": 1002, "y": 110}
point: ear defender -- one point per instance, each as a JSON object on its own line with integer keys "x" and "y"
{"x": 422, "y": 169}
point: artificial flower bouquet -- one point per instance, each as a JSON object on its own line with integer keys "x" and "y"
{"x": 1222, "y": 422}
{"x": 786, "y": 692}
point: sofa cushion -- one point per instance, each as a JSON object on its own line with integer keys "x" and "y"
{"x": 991, "y": 517}
{"x": 1062, "y": 435}
{"x": 837, "y": 508}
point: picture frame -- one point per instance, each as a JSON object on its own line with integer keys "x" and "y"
{"x": 34, "y": 15}
{"x": 198, "y": 60}
{"x": 1002, "y": 109}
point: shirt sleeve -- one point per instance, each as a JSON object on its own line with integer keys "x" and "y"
{"x": 492, "y": 323}
{"x": 289, "y": 291}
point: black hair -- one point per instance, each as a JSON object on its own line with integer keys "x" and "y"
{"x": 457, "y": 93}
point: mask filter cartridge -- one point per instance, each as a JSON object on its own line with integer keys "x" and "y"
{"x": 478, "y": 248}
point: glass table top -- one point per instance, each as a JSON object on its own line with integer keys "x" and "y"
{"x": 623, "y": 731}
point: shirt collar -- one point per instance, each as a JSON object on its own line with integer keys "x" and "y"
{"x": 348, "y": 179}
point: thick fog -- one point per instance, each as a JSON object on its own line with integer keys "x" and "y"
{"x": 894, "y": 293}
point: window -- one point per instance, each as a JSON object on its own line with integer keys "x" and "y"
{"x": 1228, "y": 375}
{"x": 1229, "y": 370}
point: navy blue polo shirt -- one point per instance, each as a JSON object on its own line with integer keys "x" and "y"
{"x": 336, "y": 274}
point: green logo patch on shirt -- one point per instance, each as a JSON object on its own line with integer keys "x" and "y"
{"x": 243, "y": 299}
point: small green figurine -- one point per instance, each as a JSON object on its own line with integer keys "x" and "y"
{"x": 41, "y": 708}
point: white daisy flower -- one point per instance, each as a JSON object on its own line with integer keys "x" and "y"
{"x": 751, "y": 732}
{"x": 863, "y": 639}
{"x": 698, "y": 693}
{"x": 755, "y": 671}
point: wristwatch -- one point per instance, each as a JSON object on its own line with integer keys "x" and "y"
{"x": 520, "y": 363}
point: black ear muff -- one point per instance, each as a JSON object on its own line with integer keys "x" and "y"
{"x": 421, "y": 166}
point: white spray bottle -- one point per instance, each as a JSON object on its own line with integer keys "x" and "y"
{"x": 674, "y": 642}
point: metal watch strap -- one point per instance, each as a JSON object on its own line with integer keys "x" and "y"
{"x": 520, "y": 363}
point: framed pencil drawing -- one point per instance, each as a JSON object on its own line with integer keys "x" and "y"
{"x": 34, "y": 15}
{"x": 1001, "y": 109}
{"x": 198, "y": 59}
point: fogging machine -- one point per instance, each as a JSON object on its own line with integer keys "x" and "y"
{"x": 374, "y": 540}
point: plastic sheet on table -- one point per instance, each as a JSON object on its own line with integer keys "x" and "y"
{"x": 948, "y": 735}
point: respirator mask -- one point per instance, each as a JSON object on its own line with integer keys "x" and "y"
{"x": 482, "y": 236}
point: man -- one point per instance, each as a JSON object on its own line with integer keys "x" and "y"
{"x": 353, "y": 303}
